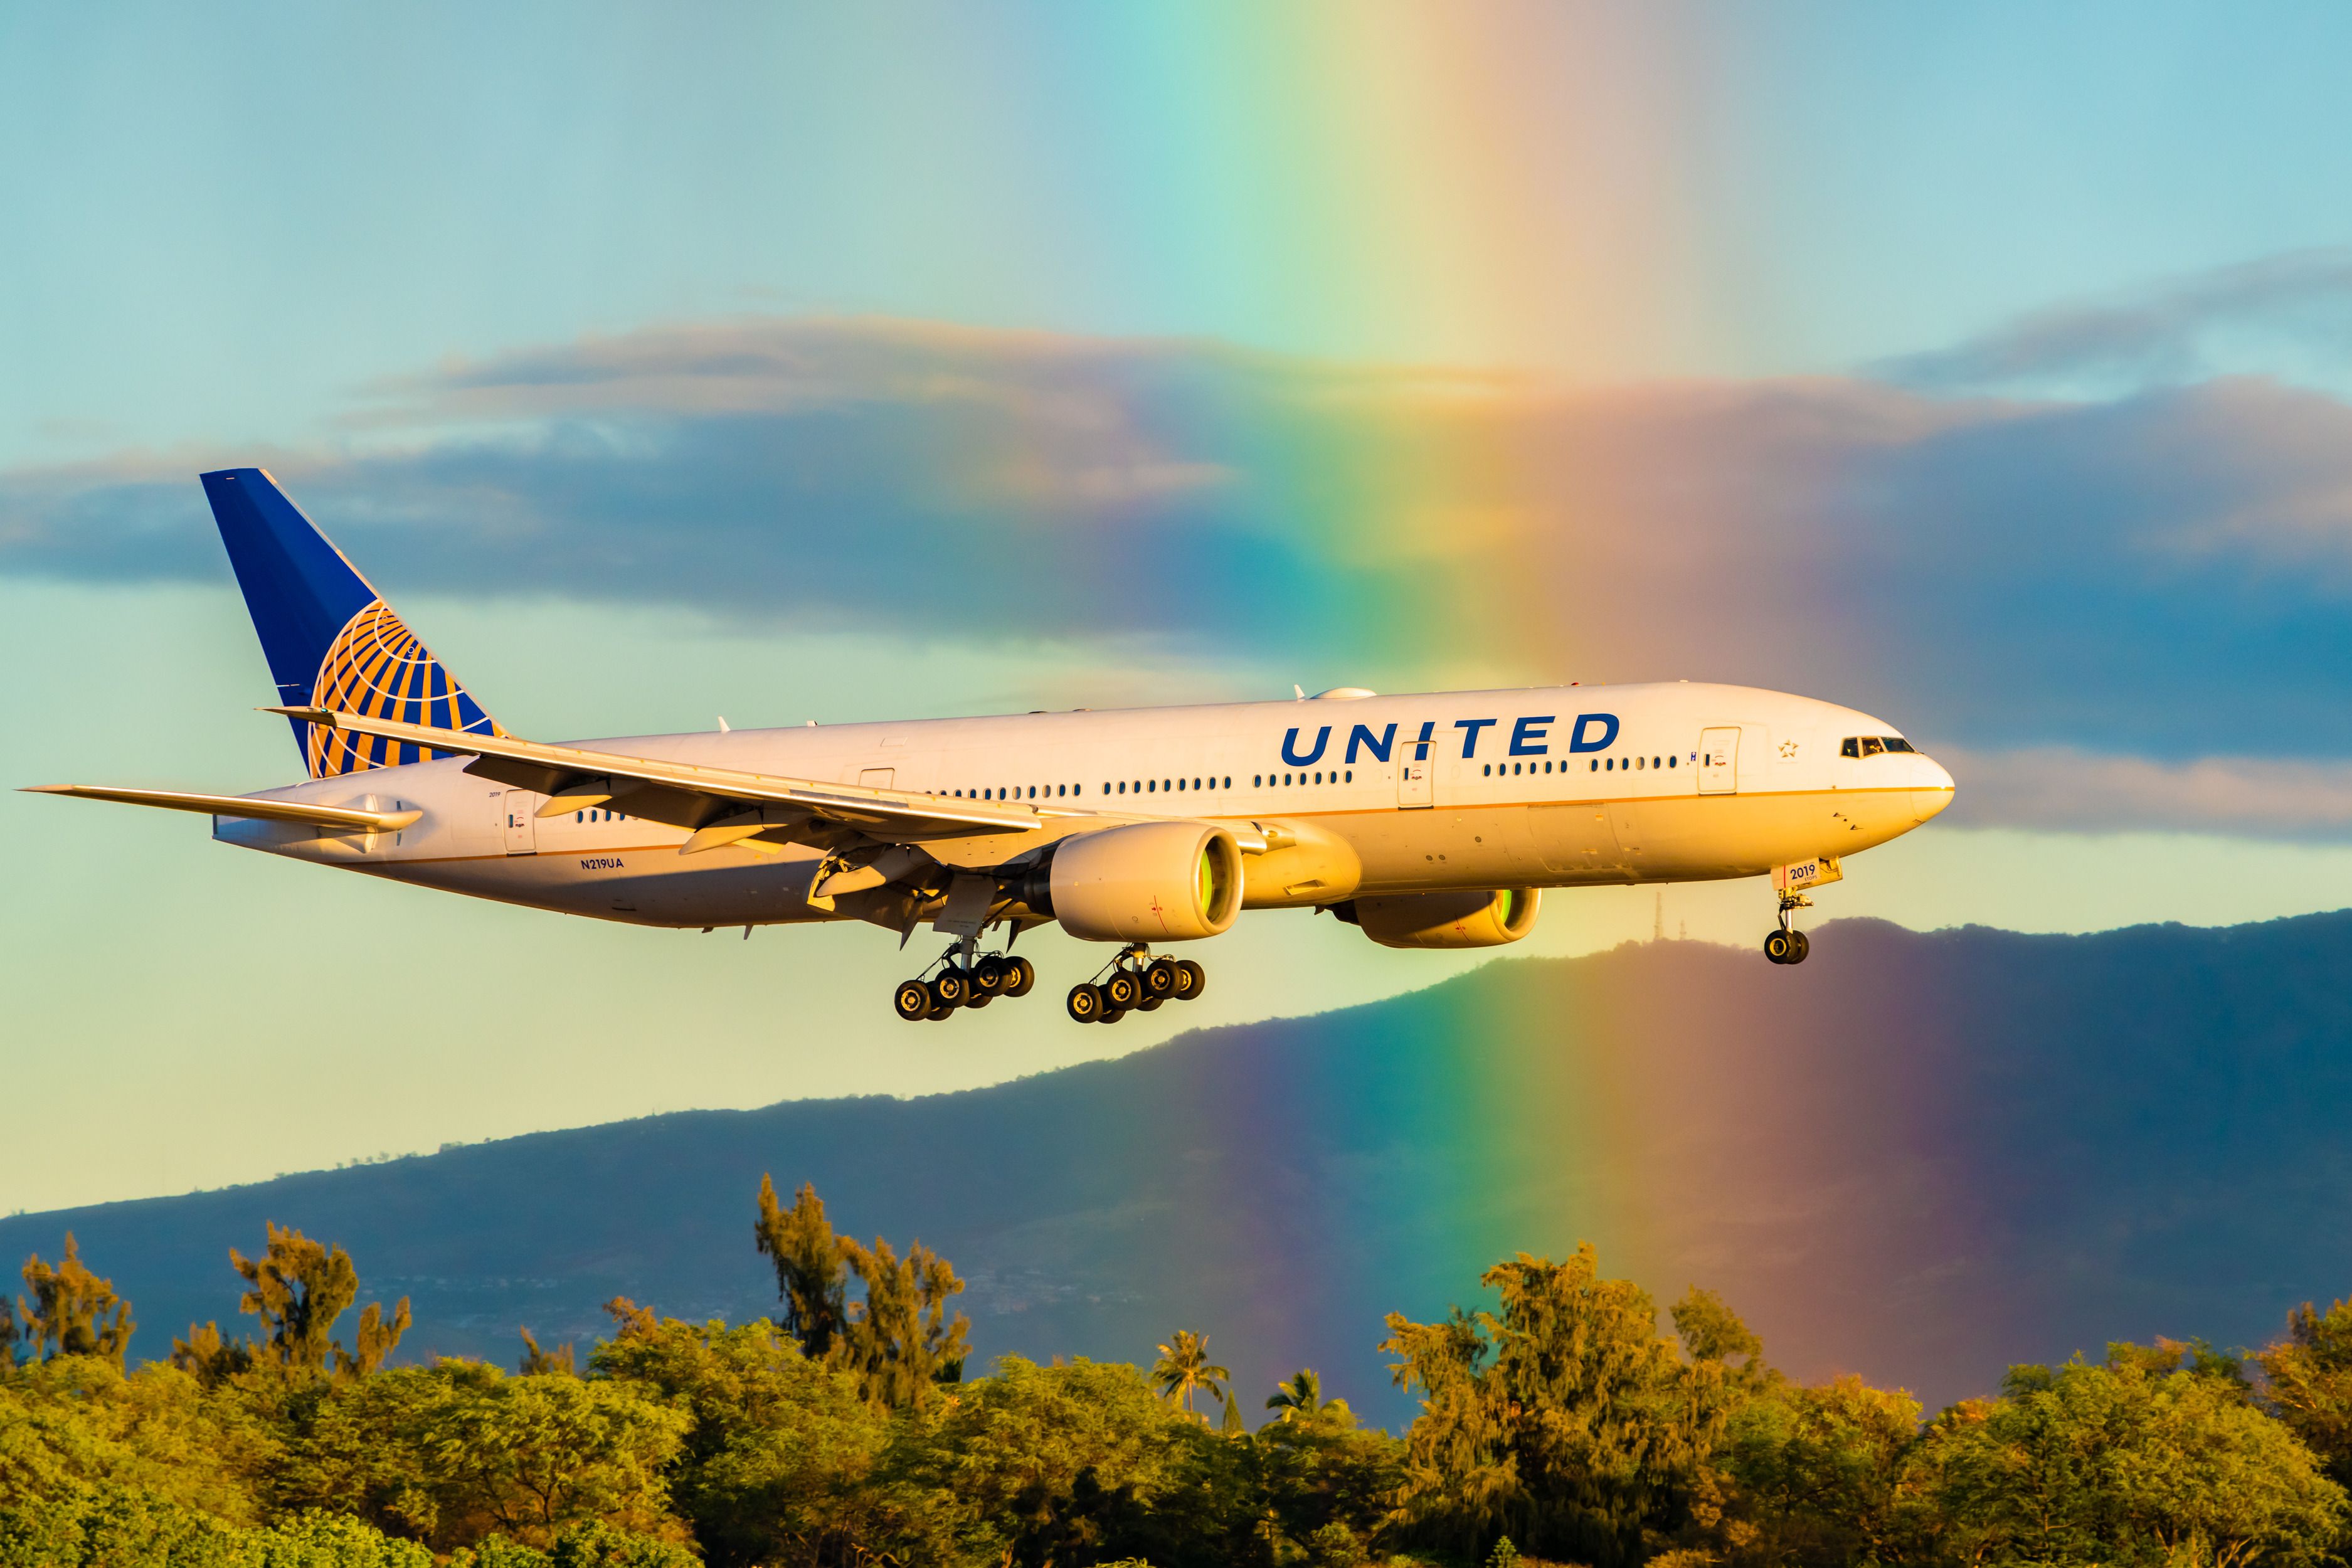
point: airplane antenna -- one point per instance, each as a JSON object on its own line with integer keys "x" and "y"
{"x": 1299, "y": 691}
{"x": 725, "y": 728}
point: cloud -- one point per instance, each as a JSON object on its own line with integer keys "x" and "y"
{"x": 2061, "y": 788}
{"x": 2166, "y": 575}
{"x": 2289, "y": 316}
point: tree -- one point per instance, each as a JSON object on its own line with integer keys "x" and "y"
{"x": 1818, "y": 1474}
{"x": 208, "y": 1358}
{"x": 1233, "y": 1425}
{"x": 899, "y": 1341}
{"x": 1184, "y": 1368}
{"x": 537, "y": 1363}
{"x": 1564, "y": 1419}
{"x": 9, "y": 1334}
{"x": 72, "y": 1311}
{"x": 812, "y": 1277}
{"x": 2095, "y": 1464}
{"x": 297, "y": 1288}
{"x": 1301, "y": 1399}
{"x": 2307, "y": 1383}
{"x": 778, "y": 1464}
{"x": 1040, "y": 1465}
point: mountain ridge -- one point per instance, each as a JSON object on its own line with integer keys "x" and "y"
{"x": 1919, "y": 1156}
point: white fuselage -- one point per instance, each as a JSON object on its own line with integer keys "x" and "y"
{"x": 1546, "y": 786}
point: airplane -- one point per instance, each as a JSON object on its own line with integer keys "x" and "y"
{"x": 1434, "y": 820}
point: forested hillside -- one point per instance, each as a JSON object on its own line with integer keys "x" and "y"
{"x": 1918, "y": 1157}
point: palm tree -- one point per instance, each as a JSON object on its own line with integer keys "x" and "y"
{"x": 1302, "y": 1399}
{"x": 1183, "y": 1368}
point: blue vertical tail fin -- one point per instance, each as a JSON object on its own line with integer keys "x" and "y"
{"x": 330, "y": 638}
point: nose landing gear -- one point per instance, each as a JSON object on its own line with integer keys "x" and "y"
{"x": 964, "y": 980}
{"x": 1135, "y": 982}
{"x": 1788, "y": 945}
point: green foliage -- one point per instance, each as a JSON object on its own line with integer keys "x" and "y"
{"x": 899, "y": 1341}
{"x": 538, "y": 1362}
{"x": 1561, "y": 1423}
{"x": 1565, "y": 1420}
{"x": 72, "y": 1311}
{"x": 1039, "y": 1464}
{"x": 2307, "y": 1383}
{"x": 2124, "y": 1466}
{"x": 812, "y": 1282}
{"x": 297, "y": 1288}
{"x": 780, "y": 1451}
{"x": 453, "y": 1453}
{"x": 1185, "y": 1369}
{"x": 122, "y": 1527}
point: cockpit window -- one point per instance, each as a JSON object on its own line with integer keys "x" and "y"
{"x": 1852, "y": 747}
{"x": 1896, "y": 743}
{"x": 1871, "y": 745}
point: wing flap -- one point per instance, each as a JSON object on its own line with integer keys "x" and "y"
{"x": 684, "y": 795}
{"x": 348, "y": 817}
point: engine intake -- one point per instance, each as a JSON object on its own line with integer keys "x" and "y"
{"x": 1444, "y": 920}
{"x": 1150, "y": 881}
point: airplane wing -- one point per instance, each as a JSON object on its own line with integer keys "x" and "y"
{"x": 715, "y": 805}
{"x": 351, "y": 818}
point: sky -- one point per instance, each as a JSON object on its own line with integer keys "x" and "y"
{"x": 1988, "y": 369}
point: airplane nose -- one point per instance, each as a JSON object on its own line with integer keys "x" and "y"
{"x": 1931, "y": 788}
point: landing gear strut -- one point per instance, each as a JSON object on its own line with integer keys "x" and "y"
{"x": 1134, "y": 981}
{"x": 1788, "y": 945}
{"x": 964, "y": 978}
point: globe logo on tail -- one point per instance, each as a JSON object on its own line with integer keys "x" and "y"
{"x": 377, "y": 668}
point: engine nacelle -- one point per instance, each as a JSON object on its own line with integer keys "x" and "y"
{"x": 1151, "y": 881}
{"x": 1444, "y": 920}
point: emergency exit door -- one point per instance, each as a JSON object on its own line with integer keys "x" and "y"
{"x": 1718, "y": 761}
{"x": 521, "y": 810}
{"x": 1412, "y": 776}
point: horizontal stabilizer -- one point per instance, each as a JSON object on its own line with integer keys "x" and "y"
{"x": 351, "y": 818}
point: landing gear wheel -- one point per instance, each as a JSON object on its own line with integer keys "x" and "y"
{"x": 1800, "y": 947}
{"x": 1159, "y": 978}
{"x": 988, "y": 975}
{"x": 947, "y": 990}
{"x": 979, "y": 998}
{"x": 939, "y": 1015}
{"x": 1121, "y": 991}
{"x": 1780, "y": 947}
{"x": 1085, "y": 1003}
{"x": 1190, "y": 979}
{"x": 1151, "y": 1003}
{"x": 911, "y": 1001}
{"x": 1020, "y": 974}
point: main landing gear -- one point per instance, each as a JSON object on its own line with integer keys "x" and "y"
{"x": 964, "y": 979}
{"x": 1135, "y": 982}
{"x": 1788, "y": 945}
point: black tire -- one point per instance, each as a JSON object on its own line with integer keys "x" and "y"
{"x": 1191, "y": 979}
{"x": 940, "y": 1014}
{"x": 1151, "y": 1003}
{"x": 988, "y": 975}
{"x": 1085, "y": 1003}
{"x": 1777, "y": 946}
{"x": 1121, "y": 991}
{"x": 1159, "y": 978}
{"x": 947, "y": 990}
{"x": 911, "y": 1001}
{"x": 1801, "y": 947}
{"x": 1020, "y": 974}
{"x": 980, "y": 999}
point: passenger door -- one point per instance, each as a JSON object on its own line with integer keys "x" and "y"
{"x": 521, "y": 838}
{"x": 1412, "y": 776}
{"x": 1718, "y": 761}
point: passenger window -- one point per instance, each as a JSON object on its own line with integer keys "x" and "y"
{"x": 1596, "y": 765}
{"x": 1850, "y": 747}
{"x": 1871, "y": 745}
{"x": 1671, "y": 760}
{"x": 1637, "y": 762}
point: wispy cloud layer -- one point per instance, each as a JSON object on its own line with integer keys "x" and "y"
{"x": 2166, "y": 575}
{"x": 2287, "y": 316}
